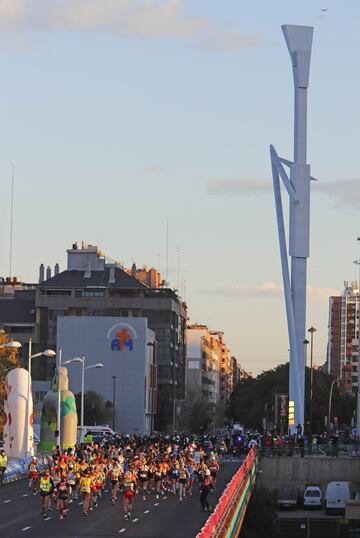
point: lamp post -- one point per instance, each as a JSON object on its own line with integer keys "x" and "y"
{"x": 329, "y": 408}
{"x": 153, "y": 383}
{"x": 81, "y": 360}
{"x": 357, "y": 262}
{"x": 47, "y": 353}
{"x": 299, "y": 43}
{"x": 113, "y": 417}
{"x": 306, "y": 343}
{"x": 312, "y": 330}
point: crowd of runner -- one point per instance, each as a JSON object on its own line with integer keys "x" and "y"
{"x": 131, "y": 466}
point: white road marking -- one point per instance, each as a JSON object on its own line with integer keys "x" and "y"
{"x": 80, "y": 504}
{"x": 165, "y": 497}
{"x": 156, "y": 504}
{"x": 146, "y": 511}
{"x": 26, "y": 528}
{"x": 25, "y": 495}
{"x": 47, "y": 518}
{"x": 122, "y": 530}
{"x": 105, "y": 491}
{"x": 136, "y": 519}
{"x": 8, "y": 501}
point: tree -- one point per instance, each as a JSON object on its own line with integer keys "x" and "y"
{"x": 252, "y": 399}
{"x": 8, "y": 361}
{"x": 195, "y": 415}
{"x": 96, "y": 410}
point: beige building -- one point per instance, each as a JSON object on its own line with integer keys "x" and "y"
{"x": 209, "y": 366}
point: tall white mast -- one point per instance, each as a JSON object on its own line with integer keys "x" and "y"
{"x": 299, "y": 42}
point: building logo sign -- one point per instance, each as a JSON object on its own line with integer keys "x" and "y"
{"x": 122, "y": 337}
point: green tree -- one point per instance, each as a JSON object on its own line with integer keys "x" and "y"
{"x": 195, "y": 414}
{"x": 253, "y": 399}
{"x": 8, "y": 361}
{"x": 96, "y": 410}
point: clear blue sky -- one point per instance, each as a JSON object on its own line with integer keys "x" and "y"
{"x": 119, "y": 114}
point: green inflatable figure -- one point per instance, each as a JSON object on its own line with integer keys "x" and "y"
{"x": 68, "y": 414}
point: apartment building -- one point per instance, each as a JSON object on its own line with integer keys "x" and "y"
{"x": 342, "y": 352}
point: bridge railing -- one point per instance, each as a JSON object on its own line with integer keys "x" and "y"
{"x": 228, "y": 516}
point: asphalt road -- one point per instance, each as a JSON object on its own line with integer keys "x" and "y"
{"x": 20, "y": 514}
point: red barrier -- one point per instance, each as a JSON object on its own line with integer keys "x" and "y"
{"x": 216, "y": 519}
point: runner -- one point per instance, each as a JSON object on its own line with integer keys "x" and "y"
{"x": 46, "y": 486}
{"x": 63, "y": 493}
{"x": 114, "y": 480}
{"x": 183, "y": 479}
{"x": 3, "y": 465}
{"x": 205, "y": 487}
{"x": 33, "y": 475}
{"x": 129, "y": 488}
{"x": 85, "y": 488}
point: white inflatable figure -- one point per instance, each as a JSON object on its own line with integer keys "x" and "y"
{"x": 18, "y": 428}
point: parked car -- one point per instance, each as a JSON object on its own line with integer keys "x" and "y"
{"x": 312, "y": 497}
{"x": 337, "y": 493}
{"x": 288, "y": 497}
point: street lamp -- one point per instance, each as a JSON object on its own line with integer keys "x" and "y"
{"x": 312, "y": 330}
{"x": 306, "y": 343}
{"x": 153, "y": 382}
{"x": 299, "y": 42}
{"x": 329, "y": 409}
{"x": 113, "y": 417}
{"x": 81, "y": 360}
{"x": 13, "y": 344}
{"x": 47, "y": 353}
{"x": 357, "y": 262}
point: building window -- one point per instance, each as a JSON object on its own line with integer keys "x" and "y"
{"x": 89, "y": 292}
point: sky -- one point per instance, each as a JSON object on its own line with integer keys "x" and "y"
{"x": 121, "y": 115}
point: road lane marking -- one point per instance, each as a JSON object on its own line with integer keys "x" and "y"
{"x": 105, "y": 491}
{"x": 165, "y": 498}
{"x": 25, "y": 495}
{"x": 136, "y": 519}
{"x": 8, "y": 501}
{"x": 26, "y": 528}
{"x": 122, "y": 530}
{"x": 156, "y": 504}
{"x": 47, "y": 518}
{"x": 80, "y": 504}
{"x": 146, "y": 511}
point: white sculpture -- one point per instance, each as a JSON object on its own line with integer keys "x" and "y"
{"x": 17, "y": 443}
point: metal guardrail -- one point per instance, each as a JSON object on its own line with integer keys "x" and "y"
{"x": 229, "y": 513}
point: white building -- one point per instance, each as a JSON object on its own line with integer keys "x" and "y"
{"x": 129, "y": 372}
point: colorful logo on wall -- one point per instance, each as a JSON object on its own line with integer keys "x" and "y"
{"x": 122, "y": 337}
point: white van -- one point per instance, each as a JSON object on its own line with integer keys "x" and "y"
{"x": 312, "y": 497}
{"x": 337, "y": 493}
{"x": 104, "y": 431}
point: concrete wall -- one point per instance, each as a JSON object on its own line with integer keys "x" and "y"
{"x": 277, "y": 471}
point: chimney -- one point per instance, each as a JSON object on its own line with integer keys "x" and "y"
{"x": 56, "y": 269}
{"x": 48, "y": 272}
{"x": 41, "y": 273}
{"x": 133, "y": 270}
{"x": 112, "y": 274}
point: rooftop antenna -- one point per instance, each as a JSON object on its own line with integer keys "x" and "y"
{"x": 297, "y": 184}
{"x": 178, "y": 270}
{"x": 167, "y": 253}
{"x": 11, "y": 218}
